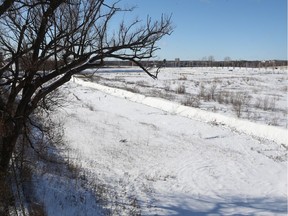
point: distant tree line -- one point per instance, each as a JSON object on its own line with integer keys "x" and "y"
{"x": 203, "y": 63}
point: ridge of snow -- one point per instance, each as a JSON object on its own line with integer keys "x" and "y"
{"x": 278, "y": 135}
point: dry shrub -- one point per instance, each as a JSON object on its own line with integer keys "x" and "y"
{"x": 132, "y": 89}
{"x": 268, "y": 103}
{"x": 182, "y": 77}
{"x": 142, "y": 83}
{"x": 212, "y": 91}
{"x": 181, "y": 89}
{"x": 192, "y": 101}
{"x": 202, "y": 91}
{"x": 239, "y": 100}
{"x": 258, "y": 103}
{"x": 209, "y": 93}
{"x": 167, "y": 87}
{"x": 224, "y": 97}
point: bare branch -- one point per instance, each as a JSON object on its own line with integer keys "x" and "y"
{"x": 44, "y": 43}
{"x": 5, "y": 6}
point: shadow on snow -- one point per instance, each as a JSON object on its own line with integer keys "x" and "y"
{"x": 226, "y": 206}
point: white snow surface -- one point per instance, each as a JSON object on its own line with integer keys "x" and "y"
{"x": 255, "y": 94}
{"x": 155, "y": 157}
{"x": 273, "y": 133}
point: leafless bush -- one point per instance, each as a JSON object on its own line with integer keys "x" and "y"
{"x": 239, "y": 100}
{"x": 266, "y": 103}
{"x": 118, "y": 78}
{"x": 142, "y": 83}
{"x": 220, "y": 98}
{"x": 269, "y": 103}
{"x": 182, "y": 77}
{"x": 160, "y": 94}
{"x": 274, "y": 121}
{"x": 167, "y": 87}
{"x": 181, "y": 89}
{"x": 285, "y": 89}
{"x": 212, "y": 91}
{"x": 131, "y": 89}
{"x": 167, "y": 96}
{"x": 208, "y": 94}
{"x": 258, "y": 103}
{"x": 272, "y": 104}
{"x": 192, "y": 101}
{"x": 155, "y": 93}
{"x": 202, "y": 91}
{"x": 226, "y": 96}
{"x": 95, "y": 78}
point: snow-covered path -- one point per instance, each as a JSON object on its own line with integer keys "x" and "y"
{"x": 163, "y": 164}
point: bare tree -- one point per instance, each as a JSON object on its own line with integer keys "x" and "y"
{"x": 227, "y": 61}
{"x": 44, "y": 43}
{"x": 211, "y": 60}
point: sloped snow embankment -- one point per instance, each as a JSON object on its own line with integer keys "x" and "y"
{"x": 142, "y": 160}
{"x": 275, "y": 134}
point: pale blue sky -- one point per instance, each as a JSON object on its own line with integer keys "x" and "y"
{"x": 240, "y": 29}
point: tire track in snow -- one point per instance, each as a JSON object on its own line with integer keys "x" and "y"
{"x": 215, "y": 173}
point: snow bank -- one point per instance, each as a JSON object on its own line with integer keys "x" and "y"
{"x": 275, "y": 134}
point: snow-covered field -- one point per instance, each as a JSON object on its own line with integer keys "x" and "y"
{"x": 259, "y": 95}
{"x": 141, "y": 160}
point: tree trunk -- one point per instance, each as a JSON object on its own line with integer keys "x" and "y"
{"x": 6, "y": 150}
{"x": 7, "y": 145}
{"x": 8, "y": 139}
{"x": 5, "y": 196}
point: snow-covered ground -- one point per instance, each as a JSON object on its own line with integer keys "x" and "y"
{"x": 259, "y": 95}
{"x": 273, "y": 133}
{"x": 141, "y": 160}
